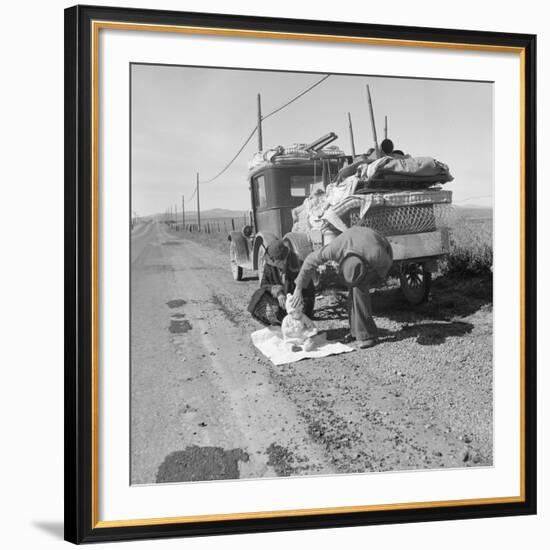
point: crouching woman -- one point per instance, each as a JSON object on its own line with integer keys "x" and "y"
{"x": 281, "y": 268}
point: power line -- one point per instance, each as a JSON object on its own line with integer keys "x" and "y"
{"x": 255, "y": 129}
{"x": 295, "y": 98}
{"x": 234, "y": 158}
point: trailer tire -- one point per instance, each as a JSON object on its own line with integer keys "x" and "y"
{"x": 415, "y": 281}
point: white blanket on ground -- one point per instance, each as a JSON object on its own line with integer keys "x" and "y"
{"x": 270, "y": 342}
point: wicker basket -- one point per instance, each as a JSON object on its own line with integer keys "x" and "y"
{"x": 397, "y": 220}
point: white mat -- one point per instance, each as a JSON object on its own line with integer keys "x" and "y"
{"x": 270, "y": 342}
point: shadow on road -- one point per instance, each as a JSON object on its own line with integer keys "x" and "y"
{"x": 431, "y": 323}
{"x": 427, "y": 334}
{"x": 451, "y": 297}
{"x": 250, "y": 278}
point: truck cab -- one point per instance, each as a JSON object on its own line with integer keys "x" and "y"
{"x": 275, "y": 190}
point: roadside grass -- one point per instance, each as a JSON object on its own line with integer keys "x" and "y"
{"x": 471, "y": 251}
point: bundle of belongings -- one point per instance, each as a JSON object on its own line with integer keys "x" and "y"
{"x": 292, "y": 153}
{"x": 404, "y": 170}
{"x": 367, "y": 187}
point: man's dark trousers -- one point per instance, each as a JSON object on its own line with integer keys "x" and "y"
{"x": 361, "y": 323}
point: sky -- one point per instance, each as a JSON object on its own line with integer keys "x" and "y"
{"x": 186, "y": 120}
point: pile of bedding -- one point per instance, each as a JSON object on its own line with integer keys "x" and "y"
{"x": 392, "y": 170}
{"x": 391, "y": 182}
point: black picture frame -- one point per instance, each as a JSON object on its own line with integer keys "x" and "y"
{"x": 80, "y": 525}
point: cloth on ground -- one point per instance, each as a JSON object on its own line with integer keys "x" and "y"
{"x": 270, "y": 342}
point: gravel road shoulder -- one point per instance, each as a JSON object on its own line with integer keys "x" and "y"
{"x": 422, "y": 398}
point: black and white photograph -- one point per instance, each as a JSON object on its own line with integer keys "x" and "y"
{"x": 311, "y": 279}
{"x": 274, "y": 275}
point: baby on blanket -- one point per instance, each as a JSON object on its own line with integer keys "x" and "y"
{"x": 298, "y": 329}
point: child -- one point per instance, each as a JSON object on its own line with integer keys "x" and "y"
{"x": 297, "y": 328}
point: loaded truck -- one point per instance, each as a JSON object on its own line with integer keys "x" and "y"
{"x": 281, "y": 183}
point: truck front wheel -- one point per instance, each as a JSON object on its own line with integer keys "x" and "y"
{"x": 415, "y": 282}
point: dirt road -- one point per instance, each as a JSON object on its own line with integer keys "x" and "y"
{"x": 206, "y": 405}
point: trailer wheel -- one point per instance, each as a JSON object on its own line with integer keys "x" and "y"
{"x": 415, "y": 282}
{"x": 236, "y": 269}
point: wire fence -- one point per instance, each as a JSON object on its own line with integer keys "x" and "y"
{"x": 211, "y": 225}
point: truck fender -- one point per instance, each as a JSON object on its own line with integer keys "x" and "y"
{"x": 262, "y": 238}
{"x": 242, "y": 253}
{"x": 299, "y": 243}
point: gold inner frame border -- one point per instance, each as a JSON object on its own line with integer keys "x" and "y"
{"x": 213, "y": 31}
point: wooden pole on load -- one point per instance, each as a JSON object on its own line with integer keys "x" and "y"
{"x": 351, "y": 135}
{"x": 198, "y": 204}
{"x": 260, "y": 140}
{"x": 386, "y": 127}
{"x": 373, "y": 125}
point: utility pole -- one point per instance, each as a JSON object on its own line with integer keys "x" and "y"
{"x": 259, "y": 127}
{"x": 373, "y": 125}
{"x": 351, "y": 136}
{"x": 386, "y": 127}
{"x": 183, "y": 212}
{"x": 198, "y": 204}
